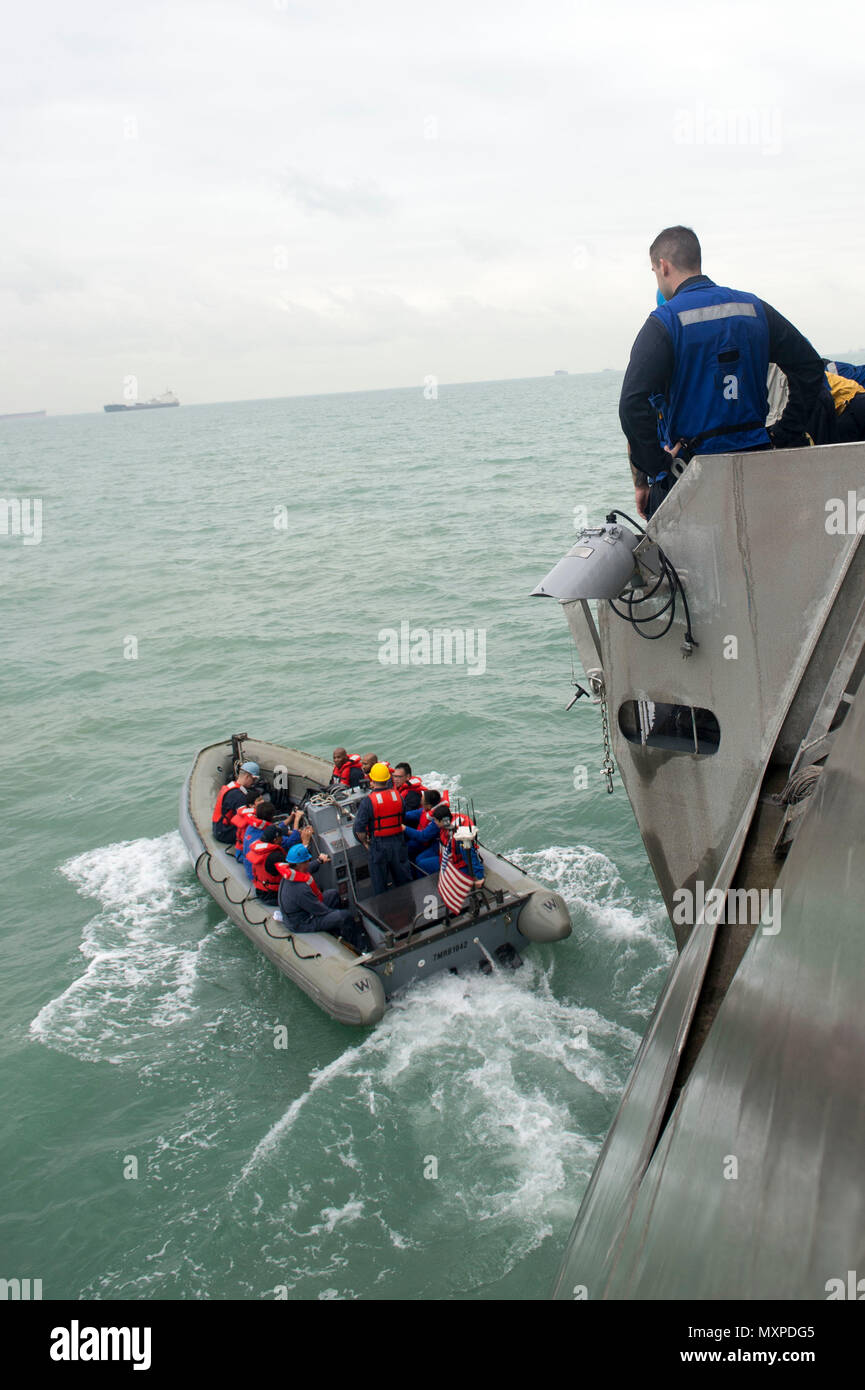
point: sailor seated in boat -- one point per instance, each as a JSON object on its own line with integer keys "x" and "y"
{"x": 424, "y": 834}
{"x": 464, "y": 853}
{"x": 263, "y": 856}
{"x": 368, "y": 762}
{"x": 252, "y": 820}
{"x": 420, "y": 818}
{"x": 268, "y": 851}
{"x": 347, "y": 768}
{"x": 461, "y": 834}
{"x": 410, "y": 789}
{"x": 258, "y": 815}
{"x": 241, "y": 792}
{"x": 305, "y": 908}
{"x": 428, "y": 842}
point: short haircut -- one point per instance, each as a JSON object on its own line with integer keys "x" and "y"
{"x": 265, "y": 808}
{"x": 431, "y": 797}
{"x": 336, "y": 753}
{"x": 442, "y": 811}
{"x": 403, "y": 767}
{"x": 679, "y": 246}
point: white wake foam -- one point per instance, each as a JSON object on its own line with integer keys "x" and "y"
{"x": 492, "y": 1076}
{"x": 141, "y": 957}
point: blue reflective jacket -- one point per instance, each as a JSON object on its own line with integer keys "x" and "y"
{"x": 717, "y": 400}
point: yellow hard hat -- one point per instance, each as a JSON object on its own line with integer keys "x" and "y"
{"x": 379, "y": 772}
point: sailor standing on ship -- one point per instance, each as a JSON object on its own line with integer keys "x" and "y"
{"x": 696, "y": 381}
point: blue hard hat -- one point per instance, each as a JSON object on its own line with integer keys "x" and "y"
{"x": 298, "y": 854}
{"x": 250, "y": 767}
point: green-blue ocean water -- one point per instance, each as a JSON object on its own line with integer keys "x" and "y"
{"x": 223, "y": 568}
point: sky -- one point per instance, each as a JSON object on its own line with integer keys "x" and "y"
{"x": 261, "y": 198}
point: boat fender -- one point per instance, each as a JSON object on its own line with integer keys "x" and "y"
{"x": 544, "y": 917}
{"x": 360, "y": 994}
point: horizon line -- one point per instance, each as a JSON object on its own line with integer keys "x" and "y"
{"x": 355, "y": 391}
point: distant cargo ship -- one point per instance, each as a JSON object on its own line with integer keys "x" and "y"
{"x": 157, "y": 403}
{"x": 23, "y": 415}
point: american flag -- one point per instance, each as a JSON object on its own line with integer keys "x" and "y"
{"x": 454, "y": 883}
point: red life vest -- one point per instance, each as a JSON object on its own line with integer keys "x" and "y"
{"x": 265, "y": 882}
{"x": 387, "y": 812}
{"x": 295, "y": 875}
{"x": 243, "y": 818}
{"x": 343, "y": 774}
{"x": 426, "y": 816}
{"x": 457, "y": 819}
{"x": 411, "y": 784}
{"x": 458, "y": 859}
{"x": 218, "y": 818}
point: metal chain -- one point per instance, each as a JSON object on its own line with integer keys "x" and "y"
{"x": 608, "y": 767}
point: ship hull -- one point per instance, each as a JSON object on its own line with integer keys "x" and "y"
{"x": 733, "y": 1166}
{"x": 141, "y": 405}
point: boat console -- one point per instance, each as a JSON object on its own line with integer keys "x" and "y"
{"x": 331, "y": 814}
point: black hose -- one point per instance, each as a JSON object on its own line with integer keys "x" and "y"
{"x": 668, "y": 572}
{"x": 316, "y": 956}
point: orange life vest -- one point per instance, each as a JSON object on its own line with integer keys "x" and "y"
{"x": 426, "y": 816}
{"x": 265, "y": 881}
{"x": 343, "y": 773}
{"x": 295, "y": 875}
{"x": 411, "y": 784}
{"x": 218, "y": 818}
{"x": 457, "y": 819}
{"x": 458, "y": 858}
{"x": 243, "y": 818}
{"x": 387, "y": 812}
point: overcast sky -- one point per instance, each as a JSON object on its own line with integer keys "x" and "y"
{"x": 263, "y": 198}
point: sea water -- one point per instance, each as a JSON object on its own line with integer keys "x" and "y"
{"x": 226, "y": 568}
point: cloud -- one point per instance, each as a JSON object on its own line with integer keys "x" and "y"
{"x": 360, "y": 197}
{"x": 253, "y": 198}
